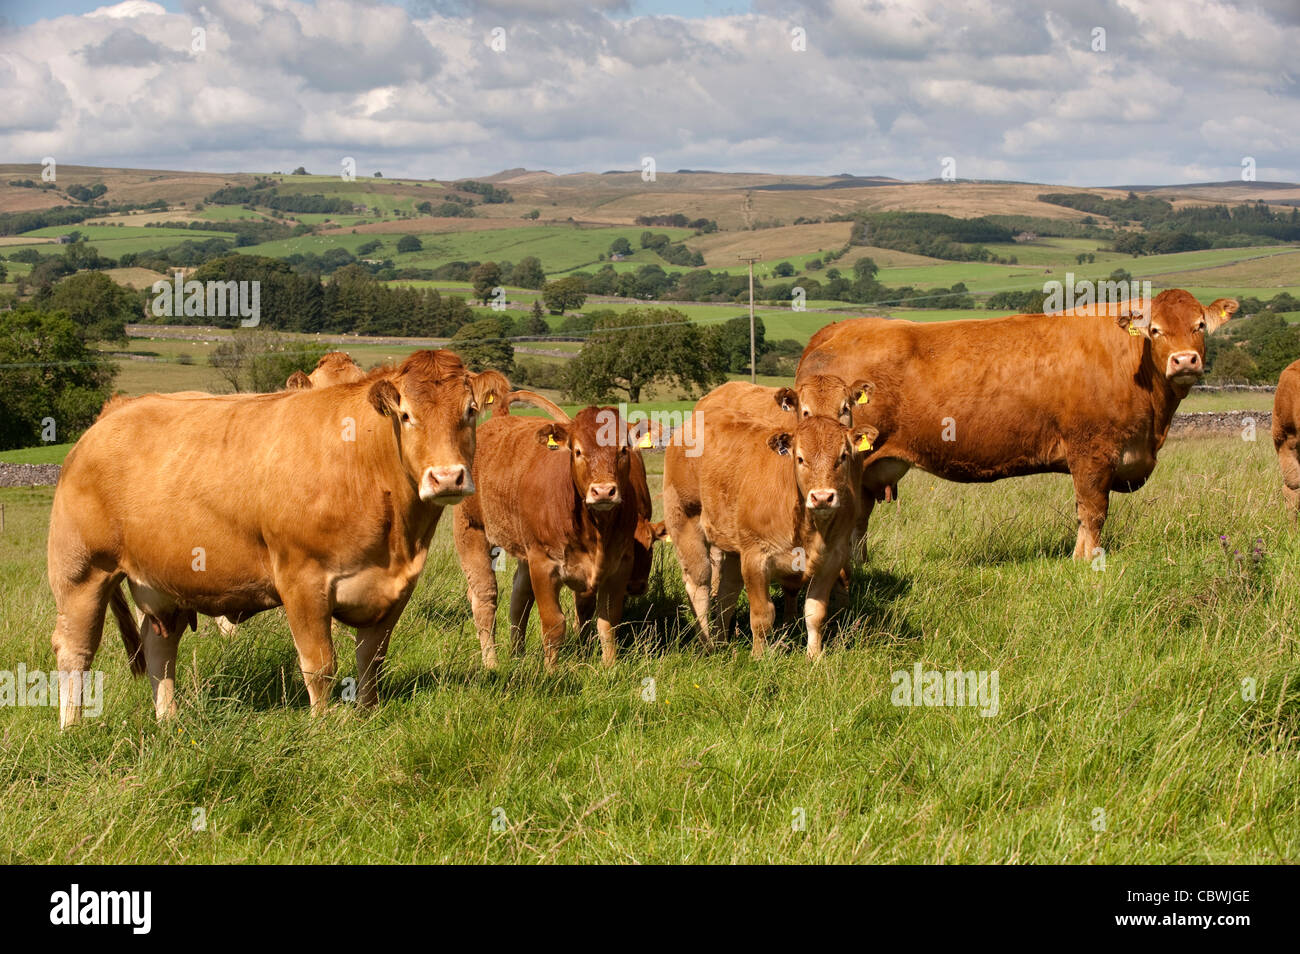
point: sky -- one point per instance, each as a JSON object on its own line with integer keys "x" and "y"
{"x": 1074, "y": 92}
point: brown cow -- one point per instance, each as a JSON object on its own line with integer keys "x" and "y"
{"x": 559, "y": 497}
{"x": 337, "y": 367}
{"x": 1286, "y": 432}
{"x": 323, "y": 501}
{"x": 776, "y": 505}
{"x": 1091, "y": 395}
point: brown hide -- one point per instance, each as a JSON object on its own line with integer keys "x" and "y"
{"x": 746, "y": 503}
{"x": 539, "y": 486}
{"x": 1092, "y": 395}
{"x": 1286, "y": 432}
{"x": 322, "y": 500}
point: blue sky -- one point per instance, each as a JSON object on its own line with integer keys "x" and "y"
{"x": 1075, "y": 92}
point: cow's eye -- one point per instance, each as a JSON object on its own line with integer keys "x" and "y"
{"x": 577, "y": 452}
{"x": 1200, "y": 326}
{"x": 799, "y": 458}
{"x": 406, "y": 418}
{"x": 1155, "y": 332}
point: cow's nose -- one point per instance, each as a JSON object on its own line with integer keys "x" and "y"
{"x": 602, "y": 495}
{"x": 822, "y": 499}
{"x": 1185, "y": 362}
{"x": 447, "y": 482}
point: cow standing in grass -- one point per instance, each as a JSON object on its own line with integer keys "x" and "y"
{"x": 1090, "y": 394}
{"x": 763, "y": 504}
{"x": 559, "y": 496}
{"x": 323, "y": 501}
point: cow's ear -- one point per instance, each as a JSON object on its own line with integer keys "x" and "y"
{"x": 297, "y": 382}
{"x": 781, "y": 443}
{"x": 384, "y": 397}
{"x": 786, "y": 399}
{"x": 488, "y": 388}
{"x": 864, "y": 438}
{"x": 553, "y": 436}
{"x": 862, "y": 391}
{"x": 659, "y": 530}
{"x": 644, "y": 434}
{"x": 1135, "y": 322}
{"x": 1219, "y": 312}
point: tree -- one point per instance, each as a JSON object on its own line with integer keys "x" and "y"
{"x": 529, "y": 273}
{"x": 50, "y": 374}
{"x": 486, "y": 277}
{"x": 535, "y": 213}
{"x": 783, "y": 270}
{"x": 300, "y": 171}
{"x": 483, "y": 344}
{"x": 629, "y": 351}
{"x": 730, "y": 340}
{"x": 535, "y": 323}
{"x": 564, "y": 293}
{"x": 620, "y": 246}
{"x": 258, "y": 360}
{"x": 99, "y": 306}
{"x": 409, "y": 243}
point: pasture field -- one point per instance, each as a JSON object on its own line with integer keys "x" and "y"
{"x": 1120, "y": 690}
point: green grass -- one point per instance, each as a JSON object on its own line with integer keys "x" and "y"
{"x": 45, "y": 454}
{"x": 1119, "y": 690}
{"x": 560, "y": 247}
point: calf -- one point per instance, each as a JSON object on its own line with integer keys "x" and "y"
{"x": 323, "y": 501}
{"x": 776, "y": 505}
{"x": 560, "y": 497}
{"x": 1090, "y": 394}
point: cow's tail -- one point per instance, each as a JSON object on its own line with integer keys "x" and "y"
{"x": 130, "y": 631}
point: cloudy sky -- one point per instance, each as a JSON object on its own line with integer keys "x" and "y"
{"x": 1010, "y": 89}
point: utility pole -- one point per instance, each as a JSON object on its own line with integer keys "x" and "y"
{"x": 753, "y": 361}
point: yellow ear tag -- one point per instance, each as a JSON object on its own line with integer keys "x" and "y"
{"x": 864, "y": 398}
{"x": 550, "y": 441}
{"x": 1135, "y": 331}
{"x": 864, "y": 443}
{"x": 645, "y": 441}
{"x": 489, "y": 399}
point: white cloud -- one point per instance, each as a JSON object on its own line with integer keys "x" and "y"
{"x": 885, "y": 87}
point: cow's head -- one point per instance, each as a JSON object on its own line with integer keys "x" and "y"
{"x": 1176, "y": 333}
{"x": 337, "y": 367}
{"x": 826, "y": 456}
{"x": 434, "y": 404}
{"x": 825, "y": 395}
{"x": 599, "y": 447}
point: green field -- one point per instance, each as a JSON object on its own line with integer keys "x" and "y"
{"x": 560, "y": 248}
{"x": 1120, "y": 690}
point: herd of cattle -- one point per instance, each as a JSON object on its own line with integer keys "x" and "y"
{"x": 323, "y": 498}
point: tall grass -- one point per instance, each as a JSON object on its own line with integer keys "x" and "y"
{"x": 1121, "y": 690}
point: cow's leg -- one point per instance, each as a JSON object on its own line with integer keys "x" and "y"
{"x": 697, "y": 572}
{"x": 160, "y": 636}
{"x": 372, "y": 647}
{"x": 865, "y": 508}
{"x": 78, "y": 628}
{"x": 729, "y": 587}
{"x": 609, "y": 613}
{"x": 476, "y": 561}
{"x": 546, "y": 591}
{"x": 1092, "y": 495}
{"x": 309, "y": 615}
{"x": 815, "y": 608}
{"x": 521, "y": 604}
{"x": 584, "y": 605}
{"x": 1290, "y": 463}
{"x": 753, "y": 568}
